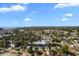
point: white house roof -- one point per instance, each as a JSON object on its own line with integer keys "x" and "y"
{"x": 40, "y": 42}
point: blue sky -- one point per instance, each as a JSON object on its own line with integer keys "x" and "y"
{"x": 39, "y": 14}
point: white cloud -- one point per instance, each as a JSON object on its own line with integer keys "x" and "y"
{"x": 69, "y": 15}
{"x": 13, "y": 8}
{"x": 25, "y": 3}
{"x": 27, "y": 19}
{"x": 15, "y": 22}
{"x": 62, "y": 5}
{"x": 18, "y": 8}
{"x": 4, "y": 9}
{"x": 64, "y": 19}
{"x": 65, "y": 16}
{"x": 32, "y": 13}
